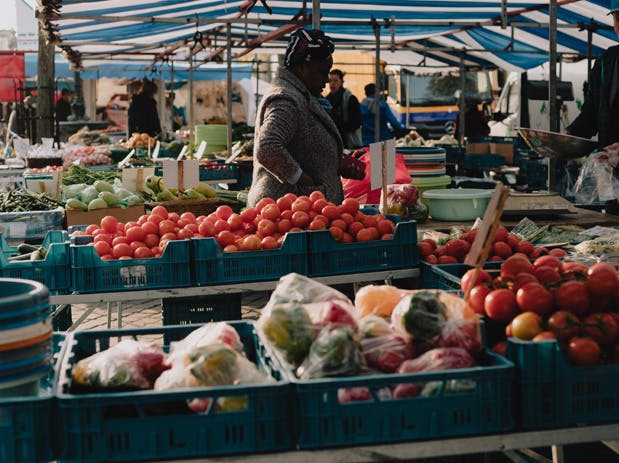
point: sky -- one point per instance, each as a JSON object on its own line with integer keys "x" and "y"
{"x": 8, "y": 18}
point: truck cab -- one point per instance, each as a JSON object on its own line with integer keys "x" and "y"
{"x": 523, "y": 101}
{"x": 426, "y": 99}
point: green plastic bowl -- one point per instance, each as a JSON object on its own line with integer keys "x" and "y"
{"x": 457, "y": 204}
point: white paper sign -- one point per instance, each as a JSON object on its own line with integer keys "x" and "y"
{"x": 44, "y": 182}
{"x": 190, "y": 173}
{"x": 156, "y": 150}
{"x": 21, "y": 146}
{"x": 376, "y": 163}
{"x": 124, "y": 162}
{"x": 201, "y": 149}
{"x": 181, "y": 155}
{"x": 130, "y": 177}
{"x": 47, "y": 143}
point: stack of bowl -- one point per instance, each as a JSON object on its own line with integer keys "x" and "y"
{"x": 25, "y": 336}
{"x": 215, "y": 136}
{"x": 426, "y": 166}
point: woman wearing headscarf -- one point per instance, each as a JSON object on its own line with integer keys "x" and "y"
{"x": 297, "y": 147}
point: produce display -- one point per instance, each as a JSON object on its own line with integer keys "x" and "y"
{"x": 552, "y": 299}
{"x": 320, "y": 333}
{"x": 141, "y": 140}
{"x": 28, "y": 252}
{"x": 24, "y": 201}
{"x": 403, "y": 200}
{"x": 86, "y": 156}
{"x": 78, "y": 174}
{"x": 448, "y": 250}
{"x": 99, "y": 195}
{"x": 88, "y": 137}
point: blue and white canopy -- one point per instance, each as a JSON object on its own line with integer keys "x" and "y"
{"x": 431, "y": 30}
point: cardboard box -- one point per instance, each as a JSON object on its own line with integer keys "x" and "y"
{"x": 504, "y": 149}
{"x": 77, "y": 217}
{"x": 478, "y": 148}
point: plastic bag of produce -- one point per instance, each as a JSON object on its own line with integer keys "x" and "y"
{"x": 420, "y": 316}
{"x": 463, "y": 333}
{"x": 383, "y": 349}
{"x": 596, "y": 181}
{"x": 332, "y": 313}
{"x": 441, "y": 358}
{"x": 73, "y": 191}
{"x": 211, "y": 333}
{"x": 88, "y": 194}
{"x": 335, "y": 352}
{"x": 289, "y": 329}
{"x": 127, "y": 365}
{"x": 379, "y": 300}
{"x": 211, "y": 365}
{"x": 301, "y": 289}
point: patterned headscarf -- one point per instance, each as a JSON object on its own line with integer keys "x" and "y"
{"x": 304, "y": 45}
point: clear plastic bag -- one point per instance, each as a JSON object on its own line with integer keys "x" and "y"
{"x": 127, "y": 365}
{"x": 596, "y": 181}
{"x": 301, "y": 289}
{"x": 382, "y": 348}
{"x": 420, "y": 316}
{"x": 379, "y": 300}
{"x": 210, "y": 333}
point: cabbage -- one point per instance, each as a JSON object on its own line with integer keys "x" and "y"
{"x": 73, "y": 191}
{"x": 88, "y": 194}
{"x": 109, "y": 198}
{"x": 97, "y": 203}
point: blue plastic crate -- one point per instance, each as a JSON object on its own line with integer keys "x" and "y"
{"x": 54, "y": 271}
{"x": 474, "y": 160}
{"x": 448, "y": 276}
{"x": 322, "y": 421}
{"x": 31, "y": 224}
{"x": 91, "y": 274}
{"x": 27, "y": 427}
{"x": 149, "y": 425}
{"x": 552, "y": 393}
{"x": 328, "y": 257}
{"x": 213, "y": 266}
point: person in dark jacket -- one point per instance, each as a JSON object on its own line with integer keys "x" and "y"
{"x": 63, "y": 105}
{"x": 345, "y": 112}
{"x": 475, "y": 122}
{"x": 297, "y": 147}
{"x": 600, "y": 110}
{"x": 143, "y": 115}
{"x": 389, "y": 125}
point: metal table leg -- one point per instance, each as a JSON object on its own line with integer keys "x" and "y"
{"x": 557, "y": 454}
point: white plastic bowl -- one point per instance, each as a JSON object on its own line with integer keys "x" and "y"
{"x": 457, "y": 204}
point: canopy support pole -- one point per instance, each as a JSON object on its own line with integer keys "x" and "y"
{"x": 553, "y": 108}
{"x": 462, "y": 100}
{"x": 45, "y": 85}
{"x": 315, "y": 14}
{"x": 229, "y": 84}
{"x": 378, "y": 93}
{"x": 191, "y": 121}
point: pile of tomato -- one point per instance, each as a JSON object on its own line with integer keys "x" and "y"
{"x": 551, "y": 299}
{"x": 504, "y": 245}
{"x": 262, "y": 227}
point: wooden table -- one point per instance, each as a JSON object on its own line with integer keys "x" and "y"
{"x": 583, "y": 218}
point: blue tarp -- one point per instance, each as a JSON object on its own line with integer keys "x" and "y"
{"x": 432, "y": 35}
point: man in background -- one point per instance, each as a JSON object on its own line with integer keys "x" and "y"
{"x": 389, "y": 126}
{"x": 345, "y": 112}
{"x": 63, "y": 105}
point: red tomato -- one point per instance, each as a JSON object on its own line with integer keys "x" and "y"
{"x": 339, "y": 223}
{"x": 573, "y": 296}
{"x": 206, "y": 229}
{"x": 284, "y": 203}
{"x": 235, "y": 221}
{"x": 544, "y": 336}
{"x": 501, "y": 234}
{"x": 135, "y": 234}
{"x": 155, "y": 219}
{"x": 500, "y": 348}
{"x": 119, "y": 240}
{"x": 350, "y": 205}
{"x": 364, "y": 234}
{"x": 266, "y": 227}
{"x": 347, "y": 218}
{"x": 107, "y": 257}
{"x": 102, "y": 248}
{"x": 500, "y": 305}
{"x": 316, "y": 195}
{"x": 564, "y": 325}
{"x": 602, "y": 327}
{"x": 225, "y": 237}
{"x": 291, "y": 197}
{"x": 223, "y": 212}
{"x": 317, "y": 224}
{"x": 321, "y": 217}
{"x": 369, "y": 221}
{"x": 337, "y": 233}
{"x": 330, "y": 212}
{"x": 301, "y": 205}
{"x": 193, "y": 227}
{"x": 347, "y": 238}
{"x": 533, "y": 297}
{"x": 231, "y": 248}
{"x": 467, "y": 279}
{"x": 91, "y": 228}
{"x": 547, "y": 260}
{"x": 521, "y": 280}
{"x": 602, "y": 280}
{"x": 143, "y": 253}
{"x": 102, "y": 237}
{"x": 319, "y": 204}
{"x": 160, "y": 211}
{"x": 269, "y": 242}
{"x": 188, "y": 216}
{"x": 571, "y": 269}
{"x": 501, "y": 249}
{"x": 136, "y": 244}
{"x": 526, "y": 326}
{"x": 557, "y": 252}
{"x": 166, "y": 226}
{"x": 108, "y": 223}
{"x": 525, "y": 248}
{"x": 583, "y": 351}
{"x": 221, "y": 225}
{"x": 300, "y": 219}
{"x": 151, "y": 240}
{"x": 546, "y": 274}
{"x": 184, "y": 234}
{"x": 284, "y": 226}
{"x": 515, "y": 264}
{"x": 270, "y": 211}
{"x": 477, "y": 296}
{"x": 251, "y": 243}
{"x": 354, "y": 228}
{"x": 143, "y": 219}
{"x": 263, "y": 202}
{"x": 174, "y": 217}
{"x": 385, "y": 226}
{"x": 150, "y": 227}
{"x": 182, "y": 223}
{"x": 122, "y": 250}
{"x": 249, "y": 214}
{"x": 387, "y": 236}
{"x": 168, "y": 237}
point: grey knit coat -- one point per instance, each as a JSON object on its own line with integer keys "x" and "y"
{"x": 293, "y": 130}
